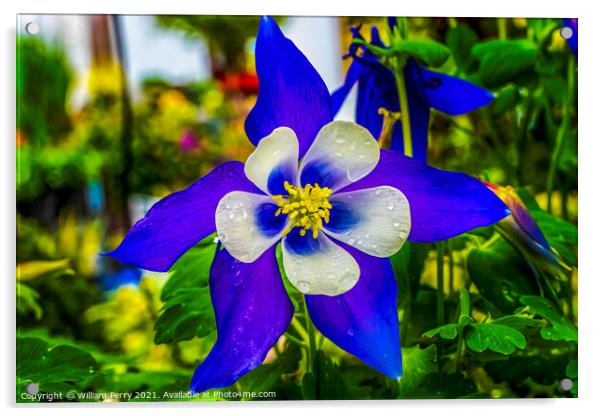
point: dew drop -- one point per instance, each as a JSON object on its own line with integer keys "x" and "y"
{"x": 396, "y": 224}
{"x": 391, "y": 206}
{"x": 231, "y": 215}
{"x": 340, "y": 140}
{"x": 338, "y": 154}
{"x": 350, "y": 332}
{"x": 351, "y": 241}
{"x": 367, "y": 235}
{"x": 377, "y": 192}
{"x": 367, "y": 142}
{"x": 303, "y": 286}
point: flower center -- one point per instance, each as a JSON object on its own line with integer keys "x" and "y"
{"x": 307, "y": 207}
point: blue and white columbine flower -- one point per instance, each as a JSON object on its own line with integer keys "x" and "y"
{"x": 426, "y": 89}
{"x": 339, "y": 213}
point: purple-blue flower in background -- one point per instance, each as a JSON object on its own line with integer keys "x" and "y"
{"x": 338, "y": 213}
{"x": 425, "y": 90}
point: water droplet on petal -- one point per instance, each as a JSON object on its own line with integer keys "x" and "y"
{"x": 351, "y": 241}
{"x": 303, "y": 286}
{"x": 367, "y": 235}
{"x": 391, "y": 206}
{"x": 396, "y": 224}
{"x": 350, "y": 332}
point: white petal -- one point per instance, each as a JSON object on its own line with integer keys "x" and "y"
{"x": 378, "y": 220}
{"x": 238, "y": 228}
{"x": 321, "y": 267}
{"x": 276, "y": 155}
{"x": 342, "y": 153}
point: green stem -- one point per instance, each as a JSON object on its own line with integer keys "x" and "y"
{"x": 311, "y": 347}
{"x": 398, "y": 65}
{"x": 440, "y": 294}
{"x": 404, "y": 107}
{"x": 450, "y": 253}
{"x": 566, "y": 117}
{"x": 501, "y": 27}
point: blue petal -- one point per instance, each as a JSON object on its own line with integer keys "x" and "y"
{"x": 180, "y": 220}
{"x": 291, "y": 92}
{"x": 339, "y": 96}
{"x": 303, "y": 245}
{"x": 573, "y": 40}
{"x": 376, "y": 89}
{"x": 342, "y": 217}
{"x": 446, "y": 93}
{"x": 252, "y": 311}
{"x": 268, "y": 223}
{"x": 363, "y": 321}
{"x": 277, "y": 178}
{"x": 443, "y": 204}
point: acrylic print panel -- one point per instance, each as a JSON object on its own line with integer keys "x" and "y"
{"x": 293, "y": 208}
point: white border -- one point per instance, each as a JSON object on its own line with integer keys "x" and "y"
{"x": 590, "y": 151}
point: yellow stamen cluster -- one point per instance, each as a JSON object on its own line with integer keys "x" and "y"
{"x": 307, "y": 207}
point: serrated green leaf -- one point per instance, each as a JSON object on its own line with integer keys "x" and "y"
{"x": 460, "y": 40}
{"x": 418, "y": 364}
{"x": 501, "y": 275}
{"x": 187, "y": 311}
{"x": 560, "y": 329}
{"x": 448, "y": 331}
{"x": 503, "y": 61}
{"x": 427, "y": 51}
{"x": 52, "y": 367}
{"x": 494, "y": 337}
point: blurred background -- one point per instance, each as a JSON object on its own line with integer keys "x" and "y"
{"x": 115, "y": 112}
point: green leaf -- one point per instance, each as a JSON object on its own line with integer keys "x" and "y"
{"x": 266, "y": 376}
{"x": 408, "y": 264}
{"x": 506, "y": 99}
{"x": 460, "y": 40}
{"x": 418, "y": 364}
{"x": 27, "y": 301}
{"x": 497, "y": 338}
{"x": 448, "y": 331}
{"x": 501, "y": 275}
{"x": 503, "y": 61}
{"x": 325, "y": 381}
{"x": 63, "y": 367}
{"x": 427, "y": 51}
{"x": 560, "y": 329}
{"x": 187, "y": 310}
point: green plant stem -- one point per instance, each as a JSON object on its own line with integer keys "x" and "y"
{"x": 440, "y": 294}
{"x": 311, "y": 345}
{"x": 501, "y": 27}
{"x": 404, "y": 107}
{"x": 450, "y": 253}
{"x": 564, "y": 125}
